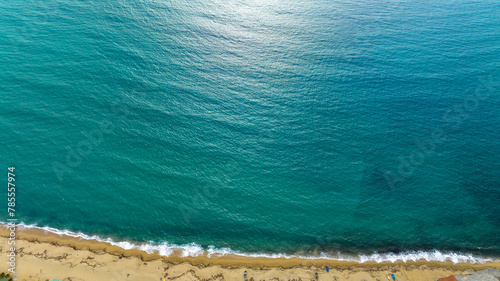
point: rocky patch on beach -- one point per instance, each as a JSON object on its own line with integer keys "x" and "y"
{"x": 490, "y": 274}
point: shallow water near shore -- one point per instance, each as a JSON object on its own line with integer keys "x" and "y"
{"x": 264, "y": 128}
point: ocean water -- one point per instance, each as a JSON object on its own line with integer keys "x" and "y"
{"x": 343, "y": 129}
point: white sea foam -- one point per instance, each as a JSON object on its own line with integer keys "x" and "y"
{"x": 194, "y": 250}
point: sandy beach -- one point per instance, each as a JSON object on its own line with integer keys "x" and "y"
{"x": 45, "y": 256}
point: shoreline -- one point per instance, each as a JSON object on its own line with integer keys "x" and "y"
{"x": 194, "y": 250}
{"x": 52, "y": 254}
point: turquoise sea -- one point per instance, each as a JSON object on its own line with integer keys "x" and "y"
{"x": 364, "y": 130}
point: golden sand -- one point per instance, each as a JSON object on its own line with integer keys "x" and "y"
{"x": 44, "y": 256}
